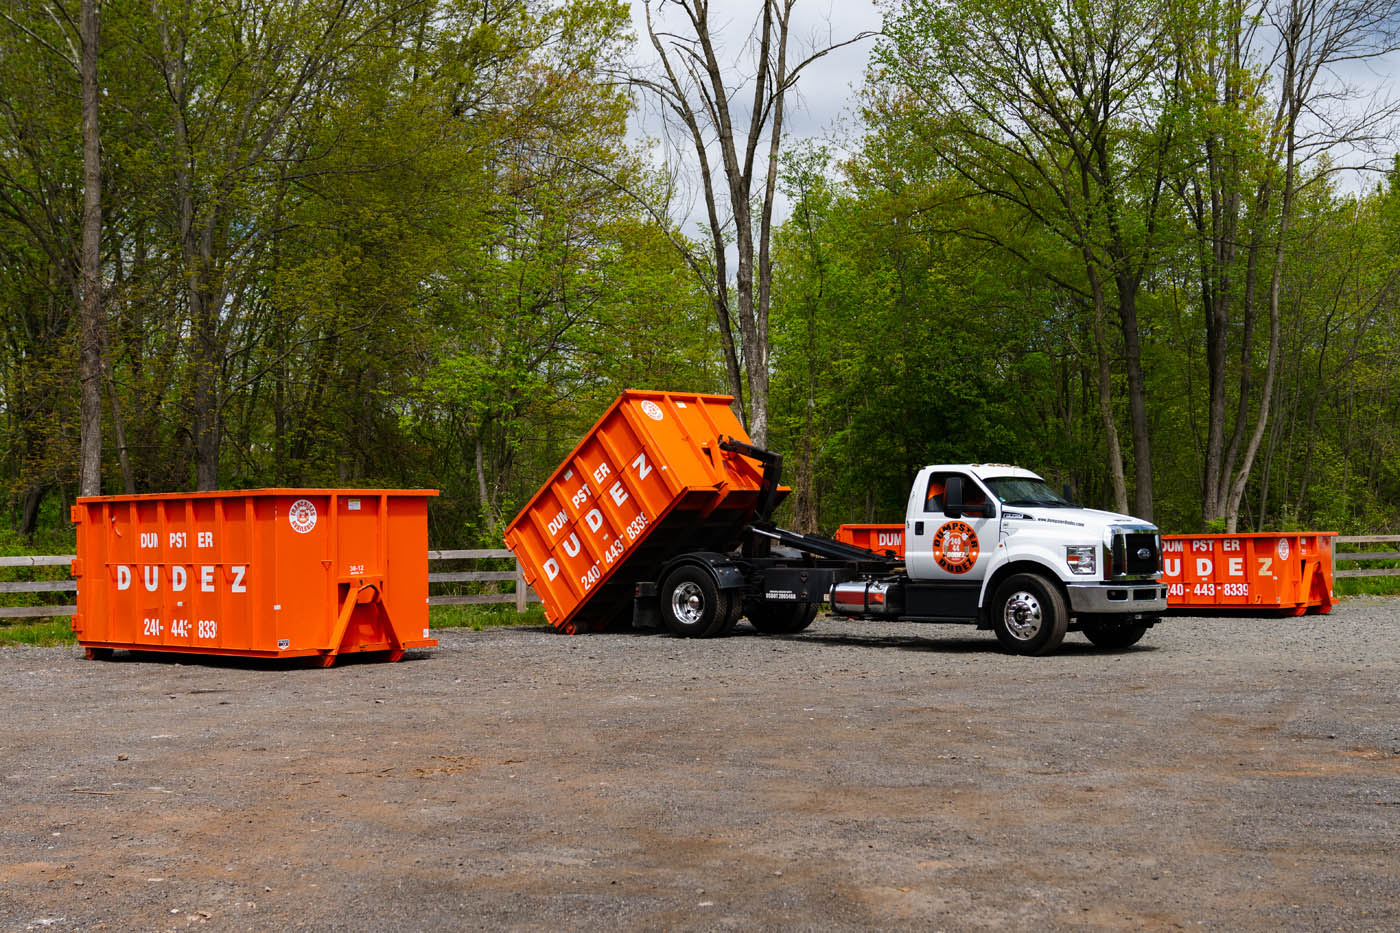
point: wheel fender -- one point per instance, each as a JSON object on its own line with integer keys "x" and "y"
{"x": 993, "y": 580}
{"x": 726, "y": 574}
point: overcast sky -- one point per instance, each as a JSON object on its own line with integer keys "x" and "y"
{"x": 827, "y": 91}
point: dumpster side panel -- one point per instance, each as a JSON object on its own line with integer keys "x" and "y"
{"x": 247, "y": 573}
{"x": 604, "y": 497}
{"x": 648, "y": 481}
{"x": 299, "y": 608}
{"x": 406, "y": 581}
{"x": 1289, "y": 572}
{"x": 878, "y": 538}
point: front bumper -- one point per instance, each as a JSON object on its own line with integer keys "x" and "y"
{"x": 1117, "y": 598}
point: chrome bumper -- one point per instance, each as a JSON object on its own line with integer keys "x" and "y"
{"x": 1116, "y": 598}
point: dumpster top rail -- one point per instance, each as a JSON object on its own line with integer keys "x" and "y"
{"x": 266, "y": 491}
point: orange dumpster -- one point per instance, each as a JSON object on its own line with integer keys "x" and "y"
{"x": 647, "y": 481}
{"x": 1291, "y": 571}
{"x": 881, "y": 539}
{"x": 271, "y": 573}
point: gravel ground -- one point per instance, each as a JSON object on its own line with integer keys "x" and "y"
{"x": 1226, "y": 773}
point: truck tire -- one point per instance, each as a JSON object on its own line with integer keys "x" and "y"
{"x": 781, "y": 618}
{"x": 1114, "y": 635}
{"x": 1029, "y": 615}
{"x": 733, "y": 612}
{"x": 691, "y": 604}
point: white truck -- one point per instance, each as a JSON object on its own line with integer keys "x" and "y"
{"x": 995, "y": 545}
{"x": 987, "y": 544}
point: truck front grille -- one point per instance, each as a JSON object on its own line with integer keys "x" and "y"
{"x": 1136, "y": 554}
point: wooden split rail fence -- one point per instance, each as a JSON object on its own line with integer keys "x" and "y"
{"x": 521, "y": 595}
{"x": 1349, "y": 557}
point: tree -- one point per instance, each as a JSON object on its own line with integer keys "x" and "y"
{"x": 1068, "y": 113}
{"x": 233, "y": 86}
{"x": 697, "y": 90}
{"x": 1313, "y": 39}
{"x": 34, "y": 189}
{"x": 93, "y": 340}
{"x": 1241, "y": 195}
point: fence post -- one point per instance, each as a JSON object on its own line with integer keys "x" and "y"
{"x": 520, "y": 588}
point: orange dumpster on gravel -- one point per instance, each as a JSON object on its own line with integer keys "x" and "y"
{"x": 877, "y": 538}
{"x": 647, "y": 481}
{"x": 275, "y": 573}
{"x": 1289, "y": 571}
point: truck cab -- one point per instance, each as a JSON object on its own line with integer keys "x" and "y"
{"x": 995, "y": 543}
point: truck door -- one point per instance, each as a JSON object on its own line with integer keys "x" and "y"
{"x": 946, "y": 548}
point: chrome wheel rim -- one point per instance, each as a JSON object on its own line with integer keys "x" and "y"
{"x": 688, "y": 603}
{"x": 1022, "y": 616}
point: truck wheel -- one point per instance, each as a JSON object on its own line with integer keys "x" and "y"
{"x": 691, "y": 604}
{"x": 1111, "y": 635}
{"x": 1028, "y": 615}
{"x": 782, "y": 618}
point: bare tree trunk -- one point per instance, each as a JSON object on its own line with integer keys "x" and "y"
{"x": 29, "y": 511}
{"x": 1137, "y": 401}
{"x": 692, "y": 88}
{"x": 90, "y": 307}
{"x": 207, "y": 365}
{"x": 119, "y": 433}
{"x": 490, "y": 510}
{"x": 1110, "y": 428}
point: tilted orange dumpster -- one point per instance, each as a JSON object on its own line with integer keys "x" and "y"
{"x": 649, "y": 479}
{"x": 276, "y": 573}
{"x": 1289, "y": 571}
{"x": 882, "y": 539}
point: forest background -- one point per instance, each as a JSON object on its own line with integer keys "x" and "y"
{"x": 411, "y": 243}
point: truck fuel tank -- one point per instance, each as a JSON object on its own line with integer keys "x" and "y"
{"x": 868, "y": 597}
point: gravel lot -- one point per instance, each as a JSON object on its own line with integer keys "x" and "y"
{"x": 1226, "y": 773}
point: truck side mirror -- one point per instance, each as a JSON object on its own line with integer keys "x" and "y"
{"x": 953, "y": 497}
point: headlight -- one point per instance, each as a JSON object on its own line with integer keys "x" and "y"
{"x": 1081, "y": 558}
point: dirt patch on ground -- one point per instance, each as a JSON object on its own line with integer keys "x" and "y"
{"x": 1240, "y": 774}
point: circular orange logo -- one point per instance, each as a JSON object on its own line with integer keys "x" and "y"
{"x": 955, "y": 547}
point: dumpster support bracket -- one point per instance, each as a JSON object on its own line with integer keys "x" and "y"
{"x": 342, "y": 622}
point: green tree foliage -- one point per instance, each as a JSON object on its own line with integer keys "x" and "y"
{"x": 408, "y": 244}
{"x": 347, "y": 243}
{"x": 1032, "y": 172}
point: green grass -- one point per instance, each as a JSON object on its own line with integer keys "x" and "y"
{"x": 485, "y": 616}
{"x": 1367, "y": 586}
{"x": 43, "y": 632}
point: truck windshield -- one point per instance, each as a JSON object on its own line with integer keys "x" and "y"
{"x": 1023, "y": 490}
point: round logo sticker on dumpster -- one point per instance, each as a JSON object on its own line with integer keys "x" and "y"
{"x": 653, "y": 410}
{"x": 302, "y": 516}
{"x": 1283, "y": 549}
{"x": 955, "y": 547}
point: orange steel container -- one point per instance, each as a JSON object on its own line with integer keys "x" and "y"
{"x": 1290, "y": 571}
{"x": 877, "y": 538}
{"x": 647, "y": 482}
{"x": 269, "y": 573}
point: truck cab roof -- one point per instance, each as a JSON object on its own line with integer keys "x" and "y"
{"x": 982, "y": 470}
